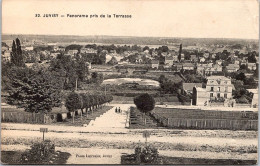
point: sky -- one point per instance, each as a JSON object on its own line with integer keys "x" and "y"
{"x": 152, "y": 18}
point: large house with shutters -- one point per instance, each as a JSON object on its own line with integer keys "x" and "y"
{"x": 217, "y": 87}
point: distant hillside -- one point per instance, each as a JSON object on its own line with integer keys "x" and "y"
{"x": 130, "y": 40}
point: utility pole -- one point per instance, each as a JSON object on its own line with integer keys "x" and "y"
{"x": 76, "y": 86}
{"x": 105, "y": 89}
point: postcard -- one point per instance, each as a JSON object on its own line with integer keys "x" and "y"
{"x": 129, "y": 82}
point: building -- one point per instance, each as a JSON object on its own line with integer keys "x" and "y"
{"x": 187, "y": 88}
{"x": 175, "y": 58}
{"x": 6, "y": 56}
{"x": 182, "y": 57}
{"x": 168, "y": 61}
{"x": 219, "y": 62}
{"x": 188, "y": 66}
{"x": 212, "y": 70}
{"x": 193, "y": 58}
{"x": 232, "y": 68}
{"x": 254, "y": 102}
{"x": 217, "y": 87}
{"x": 28, "y": 48}
{"x": 251, "y": 66}
{"x": 88, "y": 50}
{"x": 155, "y": 64}
{"x": 206, "y": 55}
{"x": 202, "y": 59}
{"x": 72, "y": 52}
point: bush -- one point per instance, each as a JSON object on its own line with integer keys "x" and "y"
{"x": 147, "y": 154}
{"x": 39, "y": 153}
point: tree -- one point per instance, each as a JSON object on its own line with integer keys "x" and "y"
{"x": 113, "y": 61}
{"x": 180, "y": 51}
{"x": 16, "y": 54}
{"x": 33, "y": 91}
{"x": 145, "y": 103}
{"x": 252, "y": 58}
{"x": 73, "y": 102}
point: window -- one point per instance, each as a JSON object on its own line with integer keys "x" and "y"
{"x": 219, "y": 89}
{"x": 226, "y": 89}
{"x": 225, "y": 95}
{"x": 211, "y": 94}
{"x": 218, "y": 95}
{"x": 211, "y": 88}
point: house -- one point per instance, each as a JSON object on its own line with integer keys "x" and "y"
{"x": 28, "y": 48}
{"x": 155, "y": 64}
{"x": 254, "y": 102}
{"x": 72, "y": 52}
{"x": 182, "y": 57}
{"x": 59, "y": 48}
{"x": 214, "y": 69}
{"x": 243, "y": 62}
{"x": 206, "y": 55}
{"x": 219, "y": 62}
{"x": 251, "y": 66}
{"x": 164, "y": 54}
{"x": 202, "y": 59}
{"x": 154, "y": 53}
{"x": 146, "y": 51}
{"x": 188, "y": 66}
{"x": 6, "y": 56}
{"x": 175, "y": 58}
{"x": 168, "y": 60}
{"x": 236, "y": 62}
{"x": 88, "y": 65}
{"x": 178, "y": 66}
{"x": 213, "y": 56}
{"x": 187, "y": 88}
{"x": 88, "y": 51}
{"x": 217, "y": 87}
{"x": 4, "y": 48}
{"x": 232, "y": 68}
{"x": 193, "y": 58}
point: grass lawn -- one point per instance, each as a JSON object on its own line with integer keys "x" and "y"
{"x": 13, "y": 157}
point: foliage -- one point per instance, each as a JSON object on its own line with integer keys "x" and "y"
{"x": 96, "y": 78}
{"x": 145, "y": 102}
{"x": 68, "y": 70}
{"x": 76, "y": 101}
{"x": 39, "y": 153}
{"x": 33, "y": 91}
{"x": 16, "y": 54}
{"x": 147, "y": 154}
{"x": 73, "y": 102}
{"x": 73, "y": 47}
{"x": 243, "y": 99}
{"x": 113, "y": 61}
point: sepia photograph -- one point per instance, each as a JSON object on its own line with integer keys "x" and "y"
{"x": 129, "y": 82}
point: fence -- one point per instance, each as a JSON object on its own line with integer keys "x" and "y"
{"x": 22, "y": 117}
{"x": 210, "y": 123}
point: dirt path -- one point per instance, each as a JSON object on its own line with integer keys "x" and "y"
{"x": 113, "y": 156}
{"x": 110, "y": 120}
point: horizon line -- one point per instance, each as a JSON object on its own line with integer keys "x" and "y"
{"x": 136, "y": 36}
